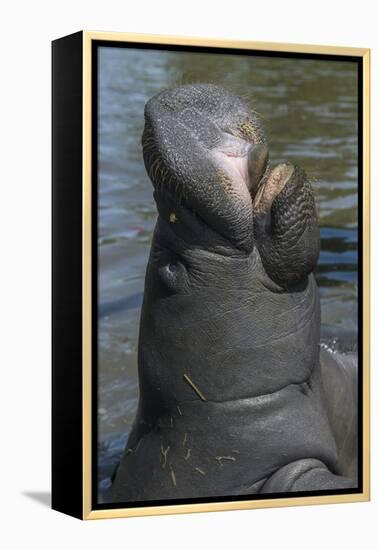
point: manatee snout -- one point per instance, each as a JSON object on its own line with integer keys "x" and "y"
{"x": 205, "y": 148}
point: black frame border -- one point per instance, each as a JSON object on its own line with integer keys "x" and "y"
{"x": 67, "y": 259}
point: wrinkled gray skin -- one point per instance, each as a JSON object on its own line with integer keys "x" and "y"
{"x": 232, "y": 400}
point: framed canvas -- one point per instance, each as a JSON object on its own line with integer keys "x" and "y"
{"x": 210, "y": 275}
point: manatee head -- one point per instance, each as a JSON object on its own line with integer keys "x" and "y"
{"x": 230, "y": 299}
{"x": 207, "y": 157}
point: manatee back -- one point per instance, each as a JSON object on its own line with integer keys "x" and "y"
{"x": 339, "y": 376}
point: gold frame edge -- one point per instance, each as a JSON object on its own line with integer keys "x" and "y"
{"x": 222, "y": 43}
{"x": 364, "y": 496}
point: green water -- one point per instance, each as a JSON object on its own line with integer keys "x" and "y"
{"x": 309, "y": 111}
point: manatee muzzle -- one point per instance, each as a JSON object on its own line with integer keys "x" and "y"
{"x": 205, "y": 148}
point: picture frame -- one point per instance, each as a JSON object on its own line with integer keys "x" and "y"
{"x": 76, "y": 155}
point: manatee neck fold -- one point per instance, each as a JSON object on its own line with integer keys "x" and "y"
{"x": 222, "y": 334}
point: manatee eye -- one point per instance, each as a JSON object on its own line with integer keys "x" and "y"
{"x": 173, "y": 275}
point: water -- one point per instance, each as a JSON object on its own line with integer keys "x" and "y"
{"x": 309, "y": 111}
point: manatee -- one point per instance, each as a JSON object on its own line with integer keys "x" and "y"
{"x": 236, "y": 397}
